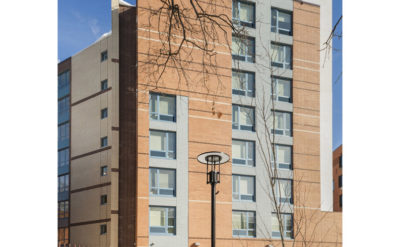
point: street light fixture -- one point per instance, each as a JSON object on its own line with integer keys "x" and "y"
{"x": 213, "y": 160}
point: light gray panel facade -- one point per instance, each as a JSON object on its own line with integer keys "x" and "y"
{"x": 180, "y": 202}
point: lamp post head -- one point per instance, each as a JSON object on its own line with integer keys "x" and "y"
{"x": 213, "y": 158}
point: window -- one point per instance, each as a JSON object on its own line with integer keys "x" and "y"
{"x": 287, "y": 225}
{"x": 162, "y": 107}
{"x": 162, "y": 144}
{"x": 283, "y": 190}
{"x": 103, "y": 229}
{"x": 162, "y": 220}
{"x": 104, "y": 85}
{"x": 281, "y": 89}
{"x": 63, "y": 157}
{"x": 243, "y": 83}
{"x": 63, "y": 110}
{"x": 63, "y": 209}
{"x": 283, "y": 123}
{"x": 281, "y": 56}
{"x": 63, "y": 84}
{"x": 103, "y": 199}
{"x": 243, "y": 13}
{"x": 340, "y": 201}
{"x": 63, "y": 132}
{"x": 104, "y": 56}
{"x": 104, "y": 141}
{"x": 340, "y": 161}
{"x": 283, "y": 158}
{"x": 63, "y": 236}
{"x": 243, "y": 49}
{"x": 103, "y": 171}
{"x": 63, "y": 183}
{"x": 243, "y": 188}
{"x": 243, "y": 152}
{"x": 340, "y": 181}
{"x": 243, "y": 118}
{"x": 162, "y": 182}
{"x": 281, "y": 22}
{"x": 104, "y": 113}
{"x": 243, "y": 224}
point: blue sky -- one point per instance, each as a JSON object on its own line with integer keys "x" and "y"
{"x": 80, "y": 23}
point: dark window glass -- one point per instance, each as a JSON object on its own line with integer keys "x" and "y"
{"x": 104, "y": 113}
{"x": 103, "y": 229}
{"x": 340, "y": 181}
{"x": 104, "y": 85}
{"x": 103, "y": 171}
{"x": 63, "y": 158}
{"x": 103, "y": 199}
{"x": 104, "y": 141}
{"x": 63, "y": 84}
{"x": 340, "y": 161}
{"x": 104, "y": 56}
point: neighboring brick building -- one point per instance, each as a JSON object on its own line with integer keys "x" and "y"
{"x": 337, "y": 179}
{"x": 130, "y": 176}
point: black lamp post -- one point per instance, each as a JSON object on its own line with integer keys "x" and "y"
{"x": 213, "y": 160}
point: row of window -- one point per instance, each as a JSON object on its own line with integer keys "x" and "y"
{"x": 163, "y": 183}
{"x": 163, "y": 145}
{"x": 244, "y": 49}
{"x": 163, "y": 222}
{"x": 243, "y": 13}
{"x": 243, "y": 83}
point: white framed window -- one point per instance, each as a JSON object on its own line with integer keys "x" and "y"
{"x": 162, "y": 220}
{"x": 281, "y": 56}
{"x": 243, "y": 152}
{"x": 281, "y": 21}
{"x": 283, "y": 158}
{"x": 243, "y": 13}
{"x": 162, "y": 144}
{"x": 281, "y": 89}
{"x": 162, "y": 107}
{"x": 287, "y": 223}
{"x": 282, "y": 123}
{"x": 283, "y": 190}
{"x": 243, "y": 49}
{"x": 162, "y": 182}
{"x": 243, "y": 224}
{"x": 243, "y": 118}
{"x": 243, "y": 188}
{"x": 243, "y": 83}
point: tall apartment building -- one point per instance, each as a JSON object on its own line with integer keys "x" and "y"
{"x": 338, "y": 179}
{"x": 128, "y": 173}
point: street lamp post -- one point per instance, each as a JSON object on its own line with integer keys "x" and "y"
{"x": 213, "y": 160}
